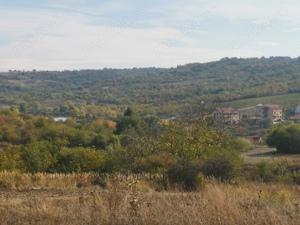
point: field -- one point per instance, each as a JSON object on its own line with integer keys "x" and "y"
{"x": 125, "y": 201}
{"x": 270, "y": 155}
{"x": 285, "y": 100}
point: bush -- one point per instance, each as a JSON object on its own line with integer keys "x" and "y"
{"x": 279, "y": 171}
{"x": 264, "y": 171}
{"x": 81, "y": 159}
{"x": 10, "y": 158}
{"x": 185, "y": 173}
{"x": 242, "y": 144}
{"x": 200, "y": 180}
{"x": 153, "y": 164}
{"x": 3, "y": 184}
{"x": 42, "y": 156}
{"x": 296, "y": 177}
{"x": 98, "y": 179}
{"x": 224, "y": 164}
{"x": 286, "y": 139}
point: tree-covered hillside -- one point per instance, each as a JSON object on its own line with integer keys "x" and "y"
{"x": 229, "y": 79}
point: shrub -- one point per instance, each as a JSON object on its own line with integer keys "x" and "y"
{"x": 185, "y": 173}
{"x": 3, "y": 184}
{"x": 200, "y": 180}
{"x": 99, "y": 179}
{"x": 81, "y": 159}
{"x": 223, "y": 164}
{"x": 242, "y": 144}
{"x": 296, "y": 177}
{"x": 285, "y": 138}
{"x": 153, "y": 164}
{"x": 264, "y": 171}
{"x": 10, "y": 158}
{"x": 42, "y": 156}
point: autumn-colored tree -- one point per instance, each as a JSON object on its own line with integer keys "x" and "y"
{"x": 10, "y": 158}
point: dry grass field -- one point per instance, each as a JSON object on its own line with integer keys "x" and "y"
{"x": 125, "y": 201}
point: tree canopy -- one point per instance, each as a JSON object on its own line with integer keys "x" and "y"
{"x": 286, "y": 138}
{"x": 91, "y": 93}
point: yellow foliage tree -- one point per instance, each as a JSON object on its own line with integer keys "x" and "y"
{"x": 10, "y": 158}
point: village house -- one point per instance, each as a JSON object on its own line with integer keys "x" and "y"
{"x": 226, "y": 115}
{"x": 296, "y": 117}
{"x": 272, "y": 111}
{"x": 255, "y": 139}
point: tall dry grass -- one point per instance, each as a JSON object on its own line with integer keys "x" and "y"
{"x": 128, "y": 201}
{"x": 15, "y": 180}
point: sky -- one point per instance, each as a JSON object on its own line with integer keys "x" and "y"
{"x": 90, "y": 34}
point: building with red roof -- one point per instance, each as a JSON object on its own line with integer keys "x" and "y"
{"x": 227, "y": 115}
{"x": 271, "y": 111}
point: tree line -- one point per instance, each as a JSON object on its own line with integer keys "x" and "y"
{"x": 82, "y": 93}
{"x": 184, "y": 149}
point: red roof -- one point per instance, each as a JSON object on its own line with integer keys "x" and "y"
{"x": 273, "y": 106}
{"x": 296, "y": 117}
{"x": 254, "y": 138}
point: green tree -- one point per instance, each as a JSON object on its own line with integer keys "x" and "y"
{"x": 286, "y": 138}
{"x": 151, "y": 120}
{"x": 81, "y": 159}
{"x": 128, "y": 112}
{"x": 101, "y": 140}
{"x": 127, "y": 122}
{"x": 42, "y": 156}
{"x": 266, "y": 123}
{"x": 23, "y": 107}
{"x": 64, "y": 109}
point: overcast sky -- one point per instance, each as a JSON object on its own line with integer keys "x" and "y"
{"x": 91, "y": 34}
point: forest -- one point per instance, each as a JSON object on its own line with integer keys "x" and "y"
{"x": 102, "y": 93}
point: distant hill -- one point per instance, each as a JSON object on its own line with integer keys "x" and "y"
{"x": 221, "y": 81}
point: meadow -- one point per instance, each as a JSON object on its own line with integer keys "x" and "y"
{"x": 72, "y": 199}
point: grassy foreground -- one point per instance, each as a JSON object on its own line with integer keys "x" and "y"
{"x": 125, "y": 200}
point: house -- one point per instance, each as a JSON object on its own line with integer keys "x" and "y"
{"x": 271, "y": 111}
{"x": 297, "y": 109}
{"x": 296, "y": 117}
{"x": 227, "y": 115}
{"x": 256, "y": 139}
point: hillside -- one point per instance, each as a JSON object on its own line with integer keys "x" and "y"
{"x": 221, "y": 81}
